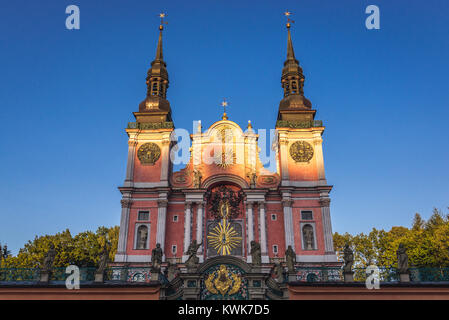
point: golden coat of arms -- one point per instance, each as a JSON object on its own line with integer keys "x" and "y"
{"x": 223, "y": 281}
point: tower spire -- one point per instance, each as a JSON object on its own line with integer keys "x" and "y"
{"x": 290, "y": 51}
{"x": 159, "y": 55}
{"x": 155, "y": 107}
{"x": 292, "y": 81}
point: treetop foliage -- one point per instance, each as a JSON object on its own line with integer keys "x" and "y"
{"x": 427, "y": 243}
{"x": 83, "y": 249}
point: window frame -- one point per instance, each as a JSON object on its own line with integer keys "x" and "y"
{"x": 143, "y": 211}
{"x": 136, "y": 229}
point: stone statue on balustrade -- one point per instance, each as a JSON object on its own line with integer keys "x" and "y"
{"x": 103, "y": 263}
{"x": 104, "y": 259}
{"x": 278, "y": 271}
{"x": 156, "y": 258}
{"x": 172, "y": 271}
{"x": 402, "y": 259}
{"x": 193, "y": 261}
{"x": 348, "y": 257}
{"x": 290, "y": 257}
{"x": 49, "y": 259}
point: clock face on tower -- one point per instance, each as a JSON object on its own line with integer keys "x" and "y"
{"x": 149, "y": 153}
{"x": 301, "y": 151}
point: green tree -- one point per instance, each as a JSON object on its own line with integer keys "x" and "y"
{"x": 427, "y": 243}
{"x": 83, "y": 249}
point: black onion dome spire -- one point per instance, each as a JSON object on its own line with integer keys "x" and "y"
{"x": 292, "y": 81}
{"x": 157, "y": 82}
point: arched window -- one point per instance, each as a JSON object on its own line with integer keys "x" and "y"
{"x": 308, "y": 237}
{"x": 142, "y": 237}
{"x": 154, "y": 89}
{"x": 294, "y": 86}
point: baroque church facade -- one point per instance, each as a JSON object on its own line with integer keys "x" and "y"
{"x": 224, "y": 209}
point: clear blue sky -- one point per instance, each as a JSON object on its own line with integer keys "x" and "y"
{"x": 67, "y": 95}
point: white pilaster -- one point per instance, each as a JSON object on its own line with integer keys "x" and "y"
{"x": 130, "y": 163}
{"x": 199, "y": 224}
{"x": 123, "y": 233}
{"x": 327, "y": 225}
{"x": 165, "y": 152}
{"x": 250, "y": 227}
{"x": 161, "y": 223}
{"x": 187, "y": 226}
{"x": 288, "y": 223}
{"x": 319, "y": 156}
{"x": 283, "y": 143}
{"x": 263, "y": 229}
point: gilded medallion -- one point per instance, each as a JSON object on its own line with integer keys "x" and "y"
{"x": 223, "y": 282}
{"x": 301, "y": 151}
{"x": 149, "y": 153}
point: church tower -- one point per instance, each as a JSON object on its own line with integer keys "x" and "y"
{"x": 303, "y": 187}
{"x": 145, "y": 191}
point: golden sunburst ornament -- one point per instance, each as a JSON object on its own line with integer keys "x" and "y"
{"x": 224, "y": 238}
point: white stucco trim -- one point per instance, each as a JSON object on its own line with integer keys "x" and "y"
{"x": 132, "y": 258}
{"x": 317, "y": 258}
{"x": 317, "y": 183}
{"x": 148, "y": 184}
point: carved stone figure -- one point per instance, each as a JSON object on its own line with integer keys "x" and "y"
{"x": 172, "y": 271}
{"x": 142, "y": 233}
{"x": 307, "y": 231}
{"x": 348, "y": 257}
{"x": 104, "y": 258}
{"x": 252, "y": 178}
{"x": 290, "y": 257}
{"x": 402, "y": 259}
{"x": 193, "y": 260}
{"x": 156, "y": 258}
{"x": 197, "y": 178}
{"x": 256, "y": 253}
{"x": 278, "y": 271}
{"x": 49, "y": 258}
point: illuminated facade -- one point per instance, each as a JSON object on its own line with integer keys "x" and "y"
{"x": 224, "y": 198}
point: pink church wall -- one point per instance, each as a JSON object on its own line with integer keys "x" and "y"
{"x": 133, "y": 215}
{"x": 275, "y": 229}
{"x": 310, "y": 205}
{"x": 174, "y": 233}
{"x": 147, "y": 173}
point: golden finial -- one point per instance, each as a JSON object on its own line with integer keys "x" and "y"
{"x": 162, "y": 16}
{"x": 250, "y": 126}
{"x": 224, "y": 104}
{"x": 288, "y": 14}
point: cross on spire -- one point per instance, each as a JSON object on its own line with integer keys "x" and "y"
{"x": 162, "y": 16}
{"x": 287, "y": 15}
{"x": 224, "y": 104}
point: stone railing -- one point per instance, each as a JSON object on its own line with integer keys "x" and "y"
{"x": 150, "y": 125}
{"x": 299, "y": 124}
{"x": 144, "y": 275}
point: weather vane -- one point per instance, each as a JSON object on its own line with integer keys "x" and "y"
{"x": 162, "y": 16}
{"x": 288, "y": 14}
{"x": 224, "y": 104}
